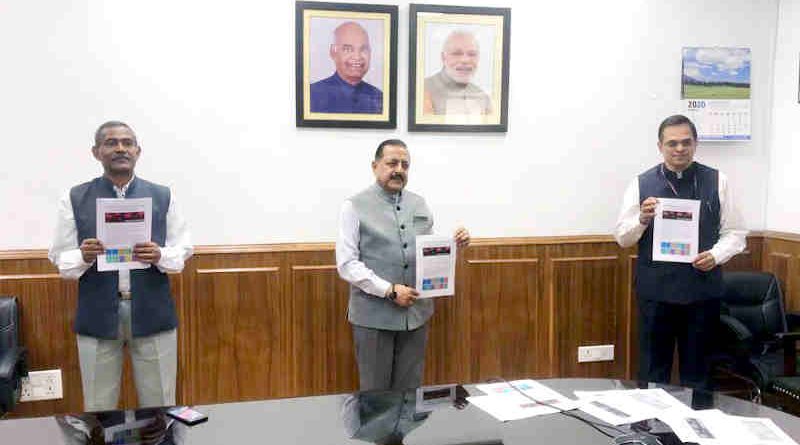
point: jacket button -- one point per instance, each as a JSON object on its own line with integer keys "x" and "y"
{"x": 405, "y": 266}
{"x": 405, "y": 245}
{"x": 402, "y": 226}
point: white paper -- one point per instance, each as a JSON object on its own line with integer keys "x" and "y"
{"x": 676, "y": 230}
{"x": 619, "y": 407}
{"x": 533, "y": 389}
{"x": 436, "y": 266}
{"x": 763, "y": 431}
{"x": 121, "y": 224}
{"x": 713, "y": 427}
{"x": 505, "y": 403}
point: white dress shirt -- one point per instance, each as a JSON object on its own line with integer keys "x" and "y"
{"x": 348, "y": 255}
{"x": 731, "y": 232}
{"x": 66, "y": 253}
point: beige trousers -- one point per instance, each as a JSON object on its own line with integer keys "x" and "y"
{"x": 154, "y": 359}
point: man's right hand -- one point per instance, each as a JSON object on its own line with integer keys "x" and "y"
{"x": 406, "y": 296}
{"x": 90, "y": 248}
{"x": 647, "y": 211}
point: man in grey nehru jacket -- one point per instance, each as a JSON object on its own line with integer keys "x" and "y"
{"x": 130, "y": 308}
{"x": 375, "y": 253}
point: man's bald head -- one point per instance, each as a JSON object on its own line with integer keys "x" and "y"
{"x": 351, "y": 52}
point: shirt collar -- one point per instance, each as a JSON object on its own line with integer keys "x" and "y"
{"x": 687, "y": 173}
{"x": 121, "y": 191}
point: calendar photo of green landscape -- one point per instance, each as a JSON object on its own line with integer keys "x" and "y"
{"x": 716, "y": 73}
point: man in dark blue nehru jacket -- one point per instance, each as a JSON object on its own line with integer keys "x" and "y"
{"x": 376, "y": 254}
{"x": 345, "y": 91}
{"x": 679, "y": 302}
{"x": 125, "y": 307}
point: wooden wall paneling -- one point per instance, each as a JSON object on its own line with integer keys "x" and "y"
{"x": 178, "y": 289}
{"x": 237, "y": 346}
{"x": 447, "y": 358}
{"x": 632, "y": 320}
{"x": 751, "y": 258}
{"x": 779, "y": 263}
{"x": 507, "y": 312}
{"x": 589, "y": 306}
{"x": 322, "y": 353}
{"x": 248, "y": 312}
{"x": 781, "y": 257}
{"x": 585, "y": 293}
{"x": 47, "y": 311}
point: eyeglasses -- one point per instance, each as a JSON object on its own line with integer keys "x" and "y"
{"x": 113, "y": 142}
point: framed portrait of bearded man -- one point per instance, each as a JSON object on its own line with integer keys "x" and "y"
{"x": 458, "y": 68}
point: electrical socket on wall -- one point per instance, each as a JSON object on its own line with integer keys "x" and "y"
{"x": 42, "y": 385}
{"x": 599, "y": 353}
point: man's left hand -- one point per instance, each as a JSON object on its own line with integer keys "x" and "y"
{"x": 704, "y": 262}
{"x": 462, "y": 237}
{"x": 147, "y": 252}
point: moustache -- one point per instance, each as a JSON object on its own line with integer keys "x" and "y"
{"x": 121, "y": 157}
{"x": 398, "y": 176}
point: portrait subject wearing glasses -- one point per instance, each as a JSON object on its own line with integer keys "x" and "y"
{"x": 346, "y": 91}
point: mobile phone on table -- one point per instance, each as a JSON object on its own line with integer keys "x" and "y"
{"x": 187, "y": 415}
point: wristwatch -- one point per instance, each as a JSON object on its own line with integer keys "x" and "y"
{"x": 393, "y": 294}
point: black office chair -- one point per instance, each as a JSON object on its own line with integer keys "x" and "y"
{"x": 754, "y": 341}
{"x": 13, "y": 363}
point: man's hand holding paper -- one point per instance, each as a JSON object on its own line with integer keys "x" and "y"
{"x": 704, "y": 261}
{"x": 148, "y": 252}
{"x": 90, "y": 248}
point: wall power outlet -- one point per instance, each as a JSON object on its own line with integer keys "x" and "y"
{"x": 42, "y": 385}
{"x": 599, "y": 353}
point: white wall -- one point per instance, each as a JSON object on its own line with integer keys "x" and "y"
{"x": 209, "y": 88}
{"x": 783, "y": 210}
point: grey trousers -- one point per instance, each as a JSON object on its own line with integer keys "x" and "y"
{"x": 154, "y": 359}
{"x": 389, "y": 359}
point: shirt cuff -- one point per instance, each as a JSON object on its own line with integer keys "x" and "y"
{"x": 75, "y": 257}
{"x": 171, "y": 259}
{"x": 71, "y": 264}
{"x": 380, "y": 287}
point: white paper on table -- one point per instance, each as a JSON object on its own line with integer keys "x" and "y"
{"x": 610, "y": 412}
{"x": 504, "y": 402}
{"x": 531, "y": 388}
{"x": 121, "y": 224}
{"x": 713, "y": 427}
{"x": 619, "y": 407}
{"x": 763, "y": 431}
{"x": 676, "y": 230}
{"x": 656, "y": 399}
{"x": 706, "y": 427}
{"x": 436, "y": 266}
